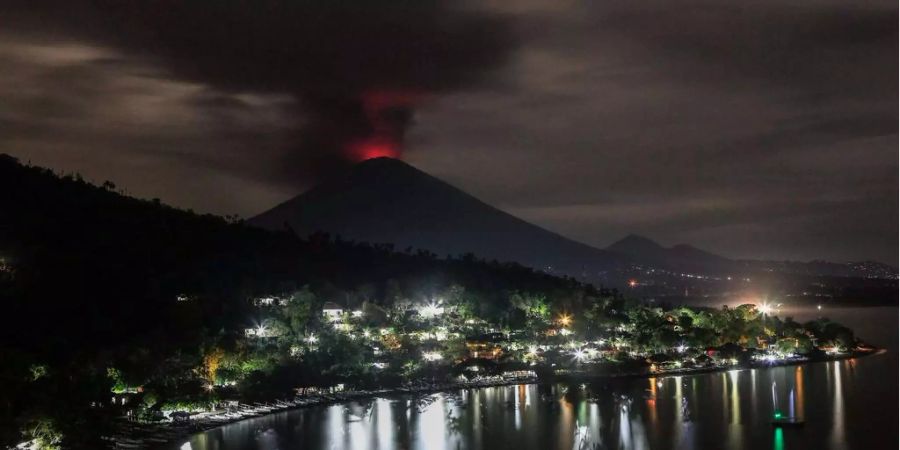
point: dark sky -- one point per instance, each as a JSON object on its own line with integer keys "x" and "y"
{"x": 764, "y": 129}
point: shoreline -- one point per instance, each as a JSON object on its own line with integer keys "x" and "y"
{"x": 162, "y": 436}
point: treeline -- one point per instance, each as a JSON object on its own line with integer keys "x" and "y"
{"x": 91, "y": 280}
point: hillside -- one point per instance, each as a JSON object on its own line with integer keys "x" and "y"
{"x": 91, "y": 279}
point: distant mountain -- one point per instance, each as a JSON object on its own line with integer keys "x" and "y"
{"x": 686, "y": 258}
{"x": 384, "y": 200}
{"x": 681, "y": 257}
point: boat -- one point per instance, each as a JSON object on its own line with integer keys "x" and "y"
{"x": 779, "y": 420}
{"x": 788, "y": 422}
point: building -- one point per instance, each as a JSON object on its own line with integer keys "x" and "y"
{"x": 332, "y": 311}
{"x": 485, "y": 346}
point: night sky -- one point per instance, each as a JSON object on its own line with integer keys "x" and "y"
{"x": 764, "y": 129}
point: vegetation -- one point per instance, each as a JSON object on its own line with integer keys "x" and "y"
{"x": 122, "y": 307}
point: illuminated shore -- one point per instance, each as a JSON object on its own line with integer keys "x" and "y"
{"x": 135, "y": 435}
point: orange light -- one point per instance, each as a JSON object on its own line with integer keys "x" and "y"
{"x": 632, "y": 283}
{"x": 565, "y": 320}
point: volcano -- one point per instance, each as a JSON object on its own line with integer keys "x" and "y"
{"x": 384, "y": 200}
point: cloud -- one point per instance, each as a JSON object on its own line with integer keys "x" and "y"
{"x": 357, "y": 69}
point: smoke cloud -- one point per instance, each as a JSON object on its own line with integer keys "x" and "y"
{"x": 358, "y": 69}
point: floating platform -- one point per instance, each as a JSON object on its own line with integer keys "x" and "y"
{"x": 788, "y": 422}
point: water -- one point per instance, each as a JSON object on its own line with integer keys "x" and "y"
{"x": 849, "y": 404}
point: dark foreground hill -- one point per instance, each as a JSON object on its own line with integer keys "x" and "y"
{"x": 91, "y": 279}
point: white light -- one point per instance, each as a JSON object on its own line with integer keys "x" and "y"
{"x": 432, "y": 356}
{"x": 765, "y": 308}
{"x": 312, "y": 339}
{"x": 431, "y": 310}
{"x": 819, "y": 307}
{"x": 565, "y": 331}
{"x": 580, "y": 355}
{"x": 681, "y": 348}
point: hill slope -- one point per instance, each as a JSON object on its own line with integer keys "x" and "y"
{"x": 387, "y": 200}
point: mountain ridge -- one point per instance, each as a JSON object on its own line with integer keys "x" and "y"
{"x": 387, "y": 200}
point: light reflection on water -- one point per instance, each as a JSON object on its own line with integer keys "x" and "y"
{"x": 846, "y": 404}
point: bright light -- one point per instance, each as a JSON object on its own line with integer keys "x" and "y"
{"x": 681, "y": 348}
{"x": 357, "y": 313}
{"x": 565, "y": 320}
{"x": 579, "y": 355}
{"x": 311, "y": 339}
{"x": 565, "y": 331}
{"x": 366, "y": 334}
{"x": 632, "y": 283}
{"x": 819, "y": 307}
{"x": 765, "y": 309}
{"x": 432, "y": 356}
{"x": 431, "y": 310}
{"x": 532, "y": 350}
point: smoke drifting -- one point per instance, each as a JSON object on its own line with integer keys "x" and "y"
{"x": 357, "y": 68}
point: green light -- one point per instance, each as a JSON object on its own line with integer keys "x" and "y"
{"x": 777, "y": 414}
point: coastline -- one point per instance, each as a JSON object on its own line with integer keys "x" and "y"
{"x": 162, "y": 436}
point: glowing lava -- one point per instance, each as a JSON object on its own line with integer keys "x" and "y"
{"x": 374, "y": 147}
{"x": 388, "y": 114}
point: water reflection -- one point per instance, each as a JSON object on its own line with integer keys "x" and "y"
{"x": 718, "y": 410}
{"x": 837, "y": 409}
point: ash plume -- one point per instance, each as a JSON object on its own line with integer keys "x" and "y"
{"x": 358, "y": 69}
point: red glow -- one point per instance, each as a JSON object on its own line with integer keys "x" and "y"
{"x": 364, "y": 149}
{"x": 386, "y": 112}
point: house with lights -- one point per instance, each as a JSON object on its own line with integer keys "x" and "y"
{"x": 485, "y": 346}
{"x": 332, "y": 311}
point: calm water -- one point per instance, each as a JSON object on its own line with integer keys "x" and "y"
{"x": 847, "y": 405}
